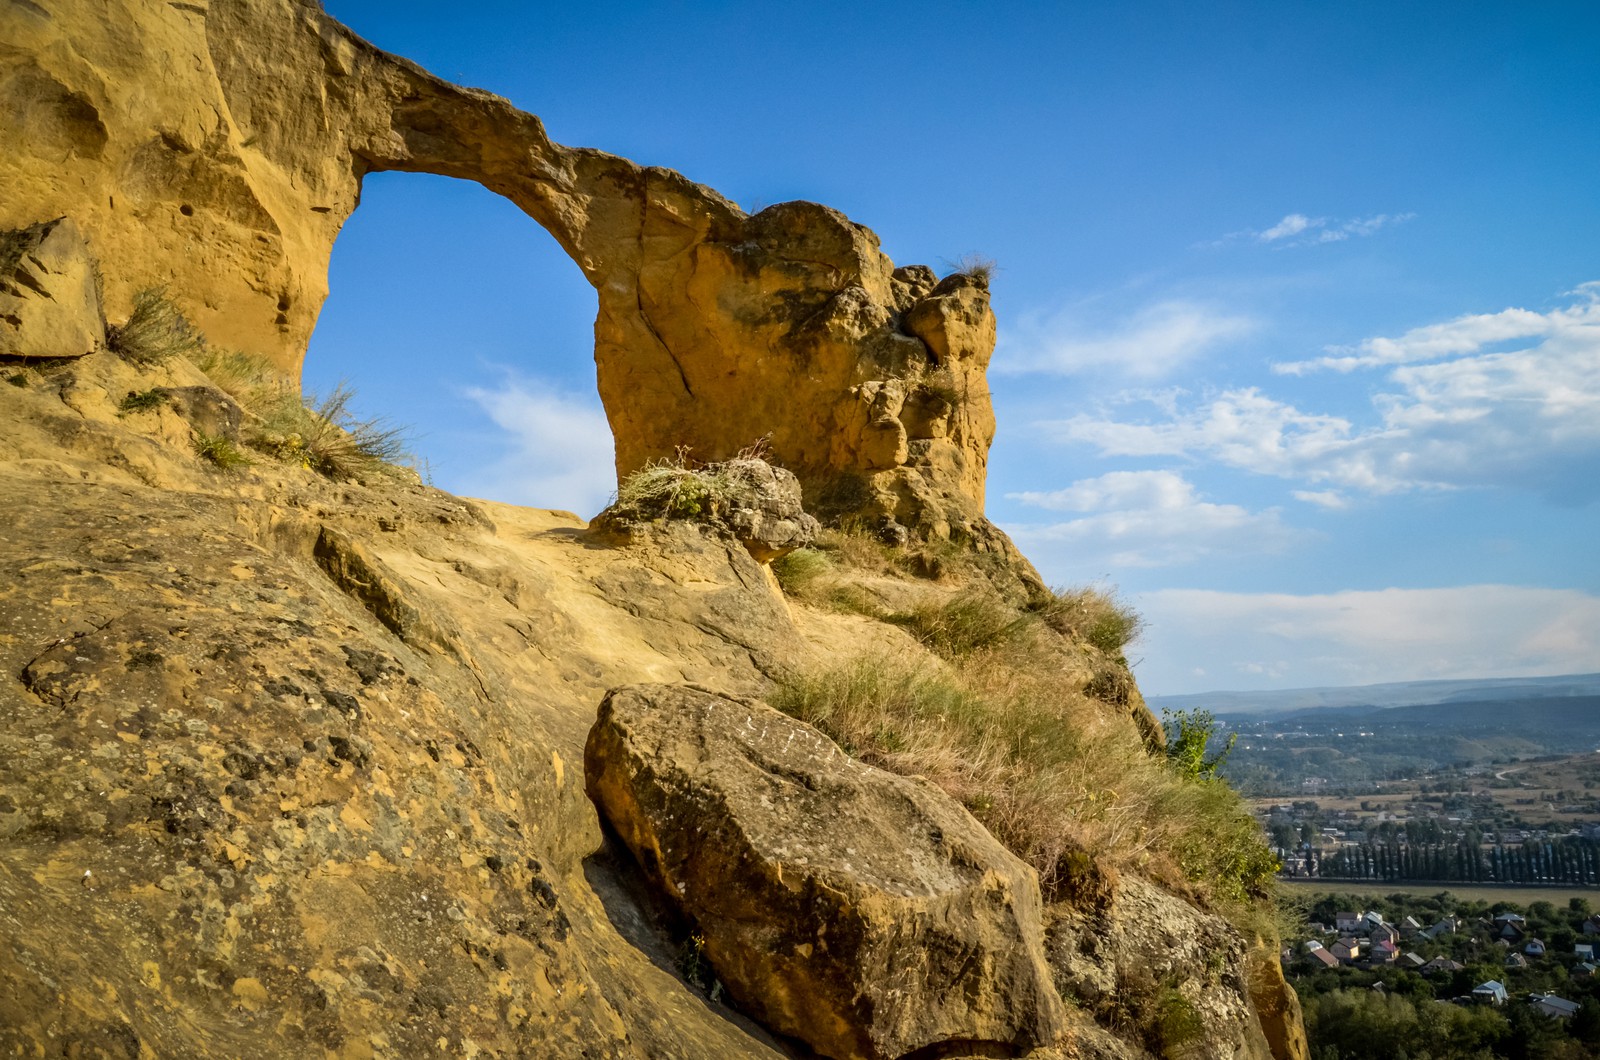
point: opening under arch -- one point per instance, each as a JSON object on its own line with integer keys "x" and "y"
{"x": 454, "y": 314}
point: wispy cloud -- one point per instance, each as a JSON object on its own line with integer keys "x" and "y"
{"x": 1331, "y": 499}
{"x": 1361, "y": 637}
{"x": 1453, "y": 414}
{"x": 1149, "y": 344}
{"x": 1144, "y": 519}
{"x": 1575, "y": 325}
{"x": 557, "y": 453}
{"x": 1291, "y": 225}
{"x": 1301, "y": 230}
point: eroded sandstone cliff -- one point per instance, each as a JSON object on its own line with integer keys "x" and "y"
{"x": 292, "y": 766}
{"x": 217, "y": 149}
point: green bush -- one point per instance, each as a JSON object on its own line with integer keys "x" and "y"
{"x": 142, "y": 401}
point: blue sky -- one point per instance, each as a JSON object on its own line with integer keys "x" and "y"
{"x": 1299, "y": 303}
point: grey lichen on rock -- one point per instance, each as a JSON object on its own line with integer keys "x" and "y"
{"x": 746, "y": 498}
{"x": 864, "y": 913}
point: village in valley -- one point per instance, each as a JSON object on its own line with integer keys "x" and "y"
{"x": 1453, "y": 950}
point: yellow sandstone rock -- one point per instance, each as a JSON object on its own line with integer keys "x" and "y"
{"x": 217, "y": 149}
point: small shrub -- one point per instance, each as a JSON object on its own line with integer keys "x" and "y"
{"x": 18, "y": 379}
{"x": 156, "y": 331}
{"x": 1189, "y": 736}
{"x": 142, "y": 401}
{"x": 674, "y": 489}
{"x": 1178, "y": 1023}
{"x": 219, "y": 452}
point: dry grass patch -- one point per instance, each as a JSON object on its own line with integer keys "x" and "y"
{"x": 1061, "y": 781}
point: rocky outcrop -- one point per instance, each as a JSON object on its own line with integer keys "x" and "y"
{"x": 864, "y": 913}
{"x": 49, "y": 293}
{"x": 217, "y": 149}
{"x": 746, "y": 499}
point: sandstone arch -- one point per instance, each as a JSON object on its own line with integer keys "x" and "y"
{"x": 715, "y": 327}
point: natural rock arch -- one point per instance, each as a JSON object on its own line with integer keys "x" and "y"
{"x": 715, "y": 328}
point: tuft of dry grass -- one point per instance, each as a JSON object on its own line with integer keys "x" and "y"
{"x": 156, "y": 331}
{"x": 325, "y": 436}
{"x": 979, "y": 267}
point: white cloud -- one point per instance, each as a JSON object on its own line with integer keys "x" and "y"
{"x": 1367, "y": 637}
{"x": 1331, "y": 499}
{"x": 1150, "y": 344}
{"x": 1144, "y": 519}
{"x": 1463, "y": 335}
{"x": 1291, "y": 225}
{"x": 558, "y": 452}
{"x": 1454, "y": 414}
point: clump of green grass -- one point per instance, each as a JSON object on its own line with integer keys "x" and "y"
{"x": 220, "y": 452}
{"x": 156, "y": 331}
{"x": 1066, "y": 785}
{"x": 1091, "y": 616}
{"x": 248, "y": 378}
{"x": 142, "y": 401}
{"x": 799, "y": 571}
{"x": 965, "y": 623}
{"x": 326, "y": 436}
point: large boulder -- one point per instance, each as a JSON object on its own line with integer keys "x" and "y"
{"x": 864, "y": 913}
{"x": 49, "y": 293}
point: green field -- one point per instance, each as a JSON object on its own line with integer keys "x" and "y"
{"x": 1468, "y": 892}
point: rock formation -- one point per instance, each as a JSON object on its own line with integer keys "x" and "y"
{"x": 864, "y": 913}
{"x": 290, "y": 766}
{"x": 216, "y": 149}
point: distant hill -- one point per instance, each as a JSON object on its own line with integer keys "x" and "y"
{"x": 1383, "y": 696}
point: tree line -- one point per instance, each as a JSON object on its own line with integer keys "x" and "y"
{"x": 1570, "y": 859}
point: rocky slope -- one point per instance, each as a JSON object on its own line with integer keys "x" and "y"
{"x": 291, "y": 766}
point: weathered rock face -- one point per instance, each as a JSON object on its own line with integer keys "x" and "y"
{"x": 1185, "y": 978}
{"x": 218, "y": 148}
{"x": 864, "y": 913}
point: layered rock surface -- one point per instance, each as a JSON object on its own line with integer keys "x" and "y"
{"x": 864, "y": 913}
{"x": 216, "y": 149}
